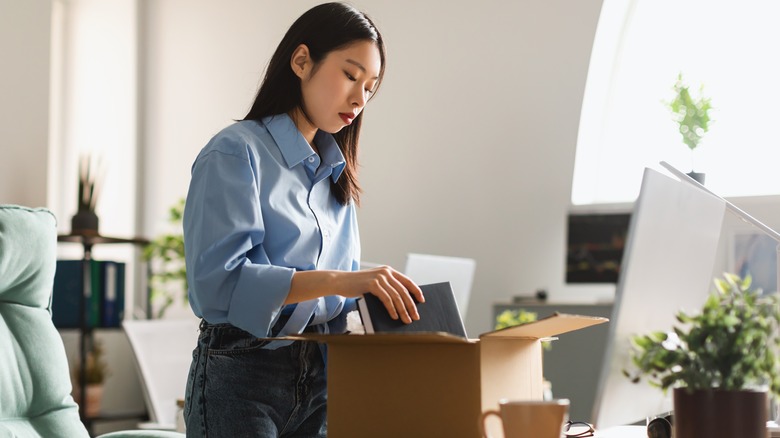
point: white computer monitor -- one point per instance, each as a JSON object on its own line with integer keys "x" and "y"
{"x": 667, "y": 266}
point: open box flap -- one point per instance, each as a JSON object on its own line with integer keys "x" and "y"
{"x": 555, "y": 324}
{"x": 384, "y": 338}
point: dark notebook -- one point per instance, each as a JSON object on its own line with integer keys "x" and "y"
{"x": 439, "y": 313}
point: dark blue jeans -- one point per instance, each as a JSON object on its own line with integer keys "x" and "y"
{"x": 237, "y": 389}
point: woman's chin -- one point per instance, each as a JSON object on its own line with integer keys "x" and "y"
{"x": 333, "y": 129}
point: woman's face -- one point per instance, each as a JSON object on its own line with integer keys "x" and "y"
{"x": 335, "y": 92}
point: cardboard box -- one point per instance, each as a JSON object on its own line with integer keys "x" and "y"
{"x": 433, "y": 385}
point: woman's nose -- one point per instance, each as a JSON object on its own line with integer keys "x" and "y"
{"x": 359, "y": 98}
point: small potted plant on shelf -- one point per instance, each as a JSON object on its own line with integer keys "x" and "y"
{"x": 95, "y": 373}
{"x": 90, "y": 173}
{"x": 721, "y": 364}
{"x": 692, "y": 117}
{"x": 511, "y": 318}
{"x": 166, "y": 253}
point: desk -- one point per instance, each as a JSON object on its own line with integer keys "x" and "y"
{"x": 640, "y": 432}
{"x": 622, "y": 432}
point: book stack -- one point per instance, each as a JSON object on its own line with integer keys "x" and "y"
{"x": 101, "y": 286}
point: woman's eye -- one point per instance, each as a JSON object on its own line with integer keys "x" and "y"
{"x": 350, "y": 77}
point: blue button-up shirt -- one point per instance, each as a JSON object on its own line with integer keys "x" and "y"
{"x": 260, "y": 208}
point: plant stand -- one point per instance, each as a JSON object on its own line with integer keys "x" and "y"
{"x": 716, "y": 413}
{"x": 83, "y": 392}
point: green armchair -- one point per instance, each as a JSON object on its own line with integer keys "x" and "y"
{"x": 35, "y": 385}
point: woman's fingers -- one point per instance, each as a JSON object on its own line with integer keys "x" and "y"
{"x": 412, "y": 287}
{"x": 395, "y": 290}
{"x": 386, "y": 298}
{"x": 403, "y": 302}
{"x": 392, "y": 300}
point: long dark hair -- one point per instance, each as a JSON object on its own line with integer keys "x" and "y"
{"x": 323, "y": 29}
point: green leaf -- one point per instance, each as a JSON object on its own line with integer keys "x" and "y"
{"x": 166, "y": 257}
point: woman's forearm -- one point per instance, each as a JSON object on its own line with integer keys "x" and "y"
{"x": 394, "y": 289}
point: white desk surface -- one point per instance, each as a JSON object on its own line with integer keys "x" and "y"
{"x": 622, "y": 432}
{"x": 641, "y": 432}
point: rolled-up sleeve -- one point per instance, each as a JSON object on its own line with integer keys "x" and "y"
{"x": 230, "y": 276}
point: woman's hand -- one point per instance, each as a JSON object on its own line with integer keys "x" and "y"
{"x": 393, "y": 288}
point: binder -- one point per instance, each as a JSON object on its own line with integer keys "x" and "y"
{"x": 112, "y": 293}
{"x": 104, "y": 283}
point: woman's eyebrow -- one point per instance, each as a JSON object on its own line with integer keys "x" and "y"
{"x": 360, "y": 66}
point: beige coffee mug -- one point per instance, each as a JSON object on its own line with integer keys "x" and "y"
{"x": 529, "y": 419}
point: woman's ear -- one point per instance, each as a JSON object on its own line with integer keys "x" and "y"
{"x": 300, "y": 61}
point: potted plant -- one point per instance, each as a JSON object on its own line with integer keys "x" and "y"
{"x": 95, "y": 373}
{"x": 166, "y": 253}
{"x": 511, "y": 318}
{"x": 692, "y": 117}
{"x": 90, "y": 173}
{"x": 721, "y": 364}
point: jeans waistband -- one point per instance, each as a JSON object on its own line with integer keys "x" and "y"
{"x": 205, "y": 325}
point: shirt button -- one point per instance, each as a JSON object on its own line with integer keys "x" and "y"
{"x": 311, "y": 159}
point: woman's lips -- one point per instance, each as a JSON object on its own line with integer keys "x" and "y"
{"x": 347, "y": 118}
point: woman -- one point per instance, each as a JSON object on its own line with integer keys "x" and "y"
{"x": 271, "y": 236}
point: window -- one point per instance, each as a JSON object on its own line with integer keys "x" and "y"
{"x": 640, "y": 48}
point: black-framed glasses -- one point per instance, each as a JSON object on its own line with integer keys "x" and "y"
{"x": 578, "y": 429}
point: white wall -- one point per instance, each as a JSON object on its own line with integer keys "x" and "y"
{"x": 25, "y": 32}
{"x": 94, "y": 108}
{"x": 467, "y": 150}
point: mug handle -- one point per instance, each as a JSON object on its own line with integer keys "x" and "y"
{"x": 484, "y": 417}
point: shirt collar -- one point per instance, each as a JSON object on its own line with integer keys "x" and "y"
{"x": 295, "y": 148}
{"x": 330, "y": 154}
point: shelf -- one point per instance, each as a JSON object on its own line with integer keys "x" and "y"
{"x": 87, "y": 241}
